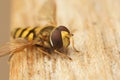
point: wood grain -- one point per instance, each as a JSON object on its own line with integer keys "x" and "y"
{"x": 97, "y": 36}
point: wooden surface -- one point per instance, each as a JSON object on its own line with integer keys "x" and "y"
{"x": 97, "y": 36}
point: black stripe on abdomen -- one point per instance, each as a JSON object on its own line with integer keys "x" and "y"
{"x": 14, "y": 35}
{"x": 32, "y": 32}
{"x": 22, "y": 32}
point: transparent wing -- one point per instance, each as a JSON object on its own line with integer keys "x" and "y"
{"x": 47, "y": 13}
{"x": 15, "y": 45}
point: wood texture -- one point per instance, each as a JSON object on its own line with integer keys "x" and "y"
{"x": 97, "y": 36}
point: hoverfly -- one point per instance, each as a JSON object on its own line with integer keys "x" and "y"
{"x": 46, "y": 39}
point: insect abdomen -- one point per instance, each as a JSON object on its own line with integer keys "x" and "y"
{"x": 28, "y": 33}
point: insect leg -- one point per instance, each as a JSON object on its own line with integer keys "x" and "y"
{"x": 46, "y": 53}
{"x": 61, "y": 54}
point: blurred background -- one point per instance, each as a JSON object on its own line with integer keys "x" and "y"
{"x": 89, "y": 12}
{"x": 4, "y": 36}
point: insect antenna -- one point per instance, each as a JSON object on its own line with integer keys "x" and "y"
{"x": 73, "y": 44}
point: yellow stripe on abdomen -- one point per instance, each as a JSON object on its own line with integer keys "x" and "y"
{"x": 31, "y": 36}
{"x": 17, "y": 33}
{"x": 29, "y": 33}
{"x": 26, "y": 32}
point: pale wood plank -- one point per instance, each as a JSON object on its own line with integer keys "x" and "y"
{"x": 97, "y": 37}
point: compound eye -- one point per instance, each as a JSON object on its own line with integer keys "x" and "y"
{"x": 56, "y": 38}
{"x": 63, "y": 28}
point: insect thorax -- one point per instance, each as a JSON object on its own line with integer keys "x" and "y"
{"x": 44, "y": 37}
